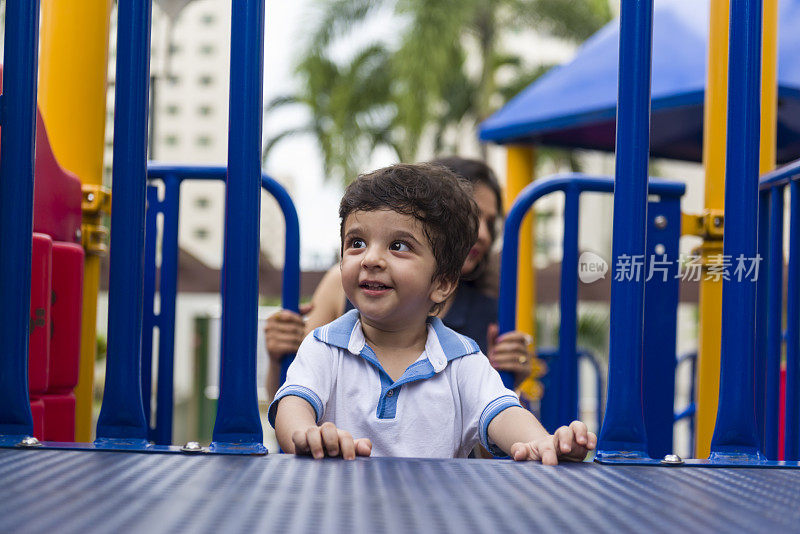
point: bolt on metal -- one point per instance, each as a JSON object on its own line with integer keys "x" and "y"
{"x": 192, "y": 446}
{"x": 717, "y": 222}
{"x": 29, "y": 441}
{"x": 660, "y": 221}
{"x": 672, "y": 459}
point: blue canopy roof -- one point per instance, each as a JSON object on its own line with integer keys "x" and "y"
{"x": 574, "y": 105}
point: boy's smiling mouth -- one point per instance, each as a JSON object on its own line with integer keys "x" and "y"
{"x": 372, "y": 287}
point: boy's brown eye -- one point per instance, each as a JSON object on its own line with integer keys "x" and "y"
{"x": 399, "y": 246}
{"x": 357, "y": 243}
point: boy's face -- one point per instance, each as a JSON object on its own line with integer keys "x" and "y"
{"x": 387, "y": 268}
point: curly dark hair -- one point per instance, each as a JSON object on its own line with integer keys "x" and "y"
{"x": 433, "y": 195}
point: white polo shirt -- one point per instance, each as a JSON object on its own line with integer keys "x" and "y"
{"x": 440, "y": 407}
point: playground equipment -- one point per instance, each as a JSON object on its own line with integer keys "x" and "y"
{"x": 663, "y": 232}
{"x": 42, "y": 489}
{"x": 167, "y": 206}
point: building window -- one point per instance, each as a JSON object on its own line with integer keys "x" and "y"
{"x": 208, "y": 19}
{"x": 174, "y": 48}
{"x": 205, "y": 79}
{"x": 202, "y": 202}
{"x": 171, "y": 140}
{"x": 201, "y": 233}
{"x": 204, "y": 110}
{"x": 173, "y": 109}
{"x": 207, "y": 49}
{"x": 203, "y": 140}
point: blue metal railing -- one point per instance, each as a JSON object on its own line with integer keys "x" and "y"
{"x": 168, "y": 207}
{"x": 773, "y": 187}
{"x": 18, "y": 112}
{"x": 122, "y": 423}
{"x": 554, "y": 394}
{"x": 122, "y": 414}
{"x": 659, "y": 329}
{"x": 690, "y": 410}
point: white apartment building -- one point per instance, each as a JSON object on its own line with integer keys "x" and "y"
{"x": 190, "y": 64}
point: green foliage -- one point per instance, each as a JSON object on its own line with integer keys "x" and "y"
{"x": 392, "y": 94}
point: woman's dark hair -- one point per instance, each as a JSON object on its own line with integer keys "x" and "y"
{"x": 433, "y": 195}
{"x": 477, "y": 172}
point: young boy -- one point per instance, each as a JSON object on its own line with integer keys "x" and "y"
{"x": 388, "y": 372}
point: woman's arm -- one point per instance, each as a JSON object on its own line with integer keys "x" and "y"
{"x": 285, "y": 330}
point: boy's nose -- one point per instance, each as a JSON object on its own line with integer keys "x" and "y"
{"x": 373, "y": 258}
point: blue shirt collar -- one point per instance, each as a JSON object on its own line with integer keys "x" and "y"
{"x": 443, "y": 344}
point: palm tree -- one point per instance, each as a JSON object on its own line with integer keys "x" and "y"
{"x": 423, "y": 84}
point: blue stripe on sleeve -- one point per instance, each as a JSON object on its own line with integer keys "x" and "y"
{"x": 489, "y": 413}
{"x": 297, "y": 391}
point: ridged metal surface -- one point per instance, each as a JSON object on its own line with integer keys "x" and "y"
{"x": 81, "y": 491}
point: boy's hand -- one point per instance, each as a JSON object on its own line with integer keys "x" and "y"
{"x": 570, "y": 443}
{"x": 327, "y": 440}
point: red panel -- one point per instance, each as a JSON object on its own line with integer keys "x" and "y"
{"x": 39, "y": 347}
{"x": 57, "y": 192}
{"x": 65, "y": 341}
{"x": 37, "y": 409}
{"x": 59, "y": 417}
{"x": 782, "y": 414}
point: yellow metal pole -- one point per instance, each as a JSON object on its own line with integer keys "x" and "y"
{"x": 769, "y": 87}
{"x": 519, "y": 168}
{"x": 72, "y": 97}
{"x": 714, "y": 136}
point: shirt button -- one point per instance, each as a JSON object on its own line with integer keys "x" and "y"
{"x": 391, "y": 393}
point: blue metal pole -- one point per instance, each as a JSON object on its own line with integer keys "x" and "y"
{"x": 761, "y": 318}
{"x": 149, "y": 319}
{"x": 162, "y": 433}
{"x": 238, "y": 419}
{"x": 290, "y": 289}
{"x": 623, "y": 426}
{"x": 567, "y": 333}
{"x": 660, "y": 324}
{"x": 122, "y": 414}
{"x": 774, "y": 329}
{"x": 792, "y": 435}
{"x": 735, "y": 430}
{"x": 16, "y": 211}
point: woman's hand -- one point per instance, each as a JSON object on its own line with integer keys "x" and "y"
{"x": 327, "y": 440}
{"x": 510, "y": 352}
{"x": 284, "y": 332}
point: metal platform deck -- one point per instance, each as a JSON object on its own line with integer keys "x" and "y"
{"x": 81, "y": 491}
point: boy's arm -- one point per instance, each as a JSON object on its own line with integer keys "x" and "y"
{"x": 517, "y": 432}
{"x": 297, "y": 432}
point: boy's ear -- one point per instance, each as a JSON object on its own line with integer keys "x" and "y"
{"x": 442, "y": 289}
